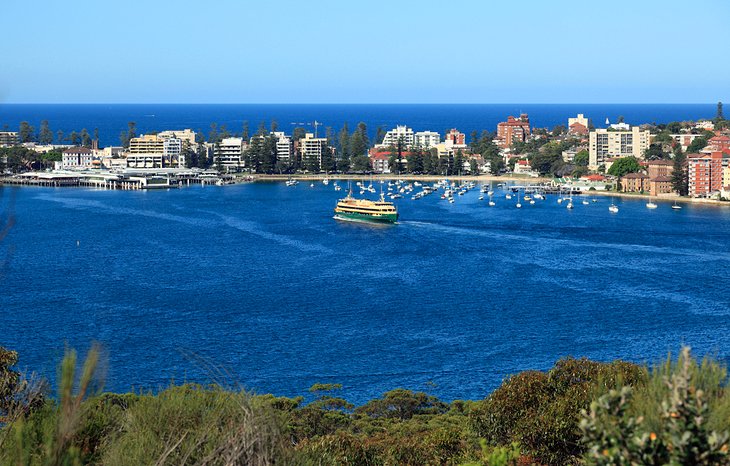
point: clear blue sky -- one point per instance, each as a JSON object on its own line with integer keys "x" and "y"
{"x": 160, "y": 51}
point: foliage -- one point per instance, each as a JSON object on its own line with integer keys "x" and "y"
{"x": 680, "y": 175}
{"x": 582, "y": 158}
{"x": 624, "y": 165}
{"x": 614, "y": 435}
{"x": 541, "y": 410}
{"x": 697, "y": 145}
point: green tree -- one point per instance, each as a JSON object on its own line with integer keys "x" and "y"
{"x": 473, "y": 166}
{"x": 26, "y": 133}
{"x": 680, "y": 177}
{"x": 59, "y": 137}
{"x": 719, "y": 115}
{"x": 620, "y": 119}
{"x": 361, "y": 164}
{"x": 697, "y": 145}
{"x": 85, "y": 138}
{"x": 624, "y": 165}
{"x": 379, "y": 135}
{"x": 458, "y": 162}
{"x": 245, "y": 132}
{"x": 328, "y": 159}
{"x": 75, "y": 139}
{"x": 655, "y": 152}
{"x": 45, "y": 136}
{"x": 343, "y": 164}
{"x": 268, "y": 154}
{"x": 582, "y": 158}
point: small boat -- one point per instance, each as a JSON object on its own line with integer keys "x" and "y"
{"x": 676, "y": 207}
{"x": 532, "y": 202}
{"x": 570, "y": 203}
{"x": 492, "y": 204}
{"x": 651, "y": 205}
{"x": 481, "y": 198}
{"x": 585, "y": 202}
{"x": 311, "y": 185}
{"x": 508, "y": 196}
{"x": 613, "y": 208}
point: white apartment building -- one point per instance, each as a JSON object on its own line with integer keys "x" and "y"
{"x": 400, "y": 133}
{"x": 284, "y": 147}
{"x": 604, "y": 143}
{"x": 311, "y": 147}
{"x": 9, "y": 138}
{"x": 427, "y": 138}
{"x": 229, "y": 154}
{"x": 77, "y": 158}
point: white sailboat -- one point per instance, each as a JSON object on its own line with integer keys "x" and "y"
{"x": 613, "y": 208}
{"x": 651, "y": 205}
{"x": 676, "y": 207}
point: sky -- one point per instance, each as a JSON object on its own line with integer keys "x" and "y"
{"x": 227, "y": 51}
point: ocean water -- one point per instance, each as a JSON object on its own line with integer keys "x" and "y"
{"x": 258, "y": 282}
{"x": 112, "y": 119}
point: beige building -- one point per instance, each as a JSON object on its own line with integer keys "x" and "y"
{"x": 312, "y": 148}
{"x": 186, "y": 135}
{"x": 156, "y": 151}
{"x": 605, "y": 143}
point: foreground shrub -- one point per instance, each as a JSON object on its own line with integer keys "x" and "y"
{"x": 614, "y": 436}
{"x": 191, "y": 424}
{"x": 541, "y": 411}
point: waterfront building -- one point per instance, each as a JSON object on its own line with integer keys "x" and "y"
{"x": 161, "y": 150}
{"x": 578, "y": 125}
{"x": 634, "y": 183}
{"x": 513, "y": 130}
{"x": 455, "y": 139}
{"x": 605, "y": 143}
{"x": 9, "y": 138}
{"x": 284, "y": 147}
{"x": 705, "y": 173}
{"x": 522, "y": 167}
{"x": 379, "y": 162}
{"x": 76, "y": 158}
{"x": 312, "y": 148}
{"x": 426, "y": 139}
{"x": 146, "y": 144}
{"x": 229, "y": 154}
{"x": 400, "y": 133}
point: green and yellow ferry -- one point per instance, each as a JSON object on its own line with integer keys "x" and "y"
{"x": 365, "y": 210}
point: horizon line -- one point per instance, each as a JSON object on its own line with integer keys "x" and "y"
{"x": 361, "y": 103}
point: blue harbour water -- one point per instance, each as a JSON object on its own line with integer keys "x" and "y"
{"x": 260, "y": 280}
{"x": 111, "y": 119}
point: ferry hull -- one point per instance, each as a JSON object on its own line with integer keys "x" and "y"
{"x": 357, "y": 217}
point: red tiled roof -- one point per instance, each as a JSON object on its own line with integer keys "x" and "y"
{"x": 594, "y": 177}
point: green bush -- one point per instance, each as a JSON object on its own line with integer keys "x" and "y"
{"x": 541, "y": 411}
{"x": 615, "y": 436}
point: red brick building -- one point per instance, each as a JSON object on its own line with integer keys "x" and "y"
{"x": 455, "y": 137}
{"x": 634, "y": 183}
{"x": 705, "y": 172}
{"x": 514, "y": 129}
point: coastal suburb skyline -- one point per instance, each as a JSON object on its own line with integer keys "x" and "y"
{"x": 377, "y": 52}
